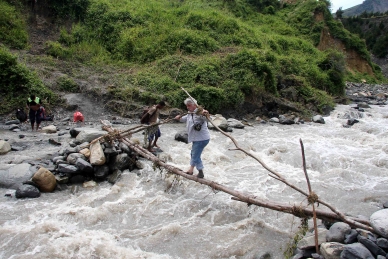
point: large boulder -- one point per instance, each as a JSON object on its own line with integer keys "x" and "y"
{"x": 5, "y": 147}
{"x": 45, "y": 180}
{"x": 12, "y": 176}
{"x": 89, "y": 134}
{"x": 97, "y": 156}
{"x": 379, "y": 222}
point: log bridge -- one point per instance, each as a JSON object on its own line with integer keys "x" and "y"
{"x": 331, "y": 215}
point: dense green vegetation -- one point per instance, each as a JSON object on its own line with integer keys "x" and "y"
{"x": 222, "y": 51}
{"x": 373, "y": 27}
{"x": 12, "y": 27}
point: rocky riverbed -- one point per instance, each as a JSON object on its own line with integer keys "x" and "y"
{"x": 32, "y": 150}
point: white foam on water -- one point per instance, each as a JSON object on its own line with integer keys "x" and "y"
{"x": 153, "y": 214}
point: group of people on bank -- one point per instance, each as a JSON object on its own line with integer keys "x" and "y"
{"x": 37, "y": 113}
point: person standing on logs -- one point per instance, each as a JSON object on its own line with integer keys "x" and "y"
{"x": 151, "y": 116}
{"x": 33, "y": 104}
{"x": 198, "y": 133}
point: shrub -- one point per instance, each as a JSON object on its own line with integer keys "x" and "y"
{"x": 56, "y": 50}
{"x": 189, "y": 42}
{"x": 13, "y": 31}
{"x": 67, "y": 84}
{"x": 18, "y": 83}
{"x": 212, "y": 97}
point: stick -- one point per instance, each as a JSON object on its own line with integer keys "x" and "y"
{"x": 312, "y": 202}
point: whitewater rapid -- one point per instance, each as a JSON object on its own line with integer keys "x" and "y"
{"x": 151, "y": 214}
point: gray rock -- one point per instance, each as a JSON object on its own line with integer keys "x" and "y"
{"x": 12, "y": 176}
{"x": 113, "y": 178}
{"x": 233, "y": 123}
{"x": 363, "y": 105}
{"x": 308, "y": 241}
{"x": 182, "y": 136}
{"x": 383, "y": 243}
{"x": 89, "y": 134}
{"x": 351, "y": 122}
{"x": 55, "y": 159}
{"x": 356, "y": 251}
{"x": 351, "y": 237}
{"x": 110, "y": 151}
{"x": 17, "y": 148}
{"x": 318, "y": 119}
{"x": 27, "y": 191}
{"x": 379, "y": 222}
{"x": 5, "y": 147}
{"x": 331, "y": 250}
{"x": 125, "y": 148}
{"x": 12, "y": 122}
{"x": 120, "y": 162}
{"x": 14, "y": 127}
{"x": 84, "y": 166}
{"x": 372, "y": 247}
{"x": 67, "y": 169}
{"x": 337, "y": 232}
{"x": 101, "y": 171}
{"x": 73, "y": 157}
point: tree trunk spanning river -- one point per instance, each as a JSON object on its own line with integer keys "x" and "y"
{"x": 147, "y": 214}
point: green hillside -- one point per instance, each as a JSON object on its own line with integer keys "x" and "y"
{"x": 224, "y": 52}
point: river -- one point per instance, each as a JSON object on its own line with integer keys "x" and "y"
{"x": 149, "y": 215}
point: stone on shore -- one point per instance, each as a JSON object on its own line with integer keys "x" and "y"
{"x": 11, "y": 175}
{"x": 5, "y": 147}
{"x": 379, "y": 222}
{"x": 27, "y": 191}
{"x": 49, "y": 129}
{"x": 45, "y": 180}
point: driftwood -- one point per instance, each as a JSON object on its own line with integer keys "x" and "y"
{"x": 298, "y": 211}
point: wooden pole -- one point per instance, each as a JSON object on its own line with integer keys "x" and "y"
{"x": 311, "y": 199}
